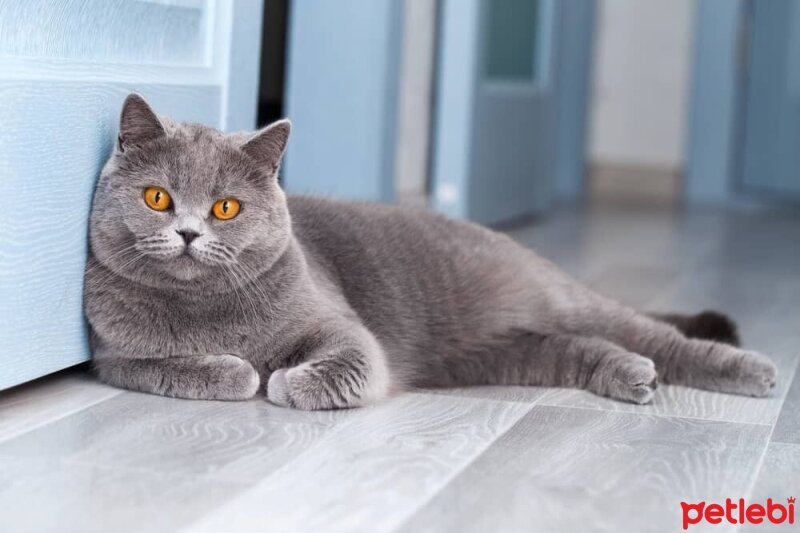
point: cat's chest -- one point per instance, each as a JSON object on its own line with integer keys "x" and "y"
{"x": 150, "y": 322}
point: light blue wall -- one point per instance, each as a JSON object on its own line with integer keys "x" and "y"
{"x": 343, "y": 65}
{"x": 715, "y": 107}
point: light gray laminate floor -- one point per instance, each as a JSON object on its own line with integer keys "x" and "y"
{"x": 76, "y": 455}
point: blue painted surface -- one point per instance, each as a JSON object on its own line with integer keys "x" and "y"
{"x": 494, "y": 147}
{"x": 240, "y": 63}
{"x": 59, "y": 114}
{"x": 56, "y": 137}
{"x": 771, "y": 155}
{"x": 119, "y": 31}
{"x": 341, "y": 95}
{"x": 573, "y": 77}
{"x": 453, "y": 124}
{"x": 715, "y": 103}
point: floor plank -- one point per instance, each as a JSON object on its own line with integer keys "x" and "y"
{"x": 374, "y": 470}
{"x": 777, "y": 479}
{"x": 39, "y": 495}
{"x": 232, "y": 441}
{"x": 565, "y": 469}
{"x": 787, "y": 428}
{"x": 40, "y": 402}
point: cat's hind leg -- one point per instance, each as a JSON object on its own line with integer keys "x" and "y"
{"x": 697, "y": 363}
{"x": 343, "y": 366}
{"x": 520, "y": 357}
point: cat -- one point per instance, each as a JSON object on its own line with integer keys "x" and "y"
{"x": 205, "y": 281}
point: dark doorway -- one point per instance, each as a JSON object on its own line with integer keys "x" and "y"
{"x": 273, "y": 61}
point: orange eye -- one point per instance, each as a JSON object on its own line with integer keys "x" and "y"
{"x": 157, "y": 198}
{"x": 226, "y": 209}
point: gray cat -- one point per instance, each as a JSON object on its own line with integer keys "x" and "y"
{"x": 205, "y": 281}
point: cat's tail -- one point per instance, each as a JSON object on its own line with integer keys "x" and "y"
{"x": 708, "y": 325}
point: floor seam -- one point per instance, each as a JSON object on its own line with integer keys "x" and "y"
{"x": 473, "y": 398}
{"x": 658, "y": 415}
{"x": 783, "y": 442}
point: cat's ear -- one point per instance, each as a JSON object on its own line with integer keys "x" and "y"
{"x": 138, "y": 123}
{"x": 267, "y": 145}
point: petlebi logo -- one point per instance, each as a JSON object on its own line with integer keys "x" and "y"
{"x": 739, "y": 512}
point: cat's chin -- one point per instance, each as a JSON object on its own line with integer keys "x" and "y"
{"x": 184, "y": 268}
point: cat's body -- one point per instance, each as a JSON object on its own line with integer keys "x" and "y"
{"x": 348, "y": 302}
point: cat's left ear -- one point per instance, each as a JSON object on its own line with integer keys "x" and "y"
{"x": 267, "y": 145}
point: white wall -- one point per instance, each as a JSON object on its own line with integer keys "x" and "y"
{"x": 641, "y": 82}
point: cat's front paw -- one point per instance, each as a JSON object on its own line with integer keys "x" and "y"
{"x": 296, "y": 388}
{"x": 315, "y": 385}
{"x": 278, "y": 389}
{"x": 233, "y": 379}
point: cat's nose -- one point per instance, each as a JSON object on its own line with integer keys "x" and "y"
{"x": 188, "y": 235}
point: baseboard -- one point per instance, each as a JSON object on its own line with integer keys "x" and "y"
{"x": 634, "y": 184}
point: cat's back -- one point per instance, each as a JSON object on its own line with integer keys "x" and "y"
{"x": 333, "y": 227}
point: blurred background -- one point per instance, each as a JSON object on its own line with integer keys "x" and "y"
{"x": 498, "y": 110}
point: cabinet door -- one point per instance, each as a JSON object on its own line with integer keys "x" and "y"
{"x": 65, "y": 68}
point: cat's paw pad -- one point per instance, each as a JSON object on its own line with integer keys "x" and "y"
{"x": 757, "y": 375}
{"x": 278, "y": 389}
{"x": 237, "y": 380}
{"x": 634, "y": 379}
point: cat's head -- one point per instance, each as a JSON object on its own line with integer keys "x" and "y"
{"x": 184, "y": 205}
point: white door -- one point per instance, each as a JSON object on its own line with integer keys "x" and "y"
{"x": 65, "y": 67}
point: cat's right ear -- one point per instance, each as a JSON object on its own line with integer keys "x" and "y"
{"x": 268, "y": 145}
{"x": 138, "y": 123}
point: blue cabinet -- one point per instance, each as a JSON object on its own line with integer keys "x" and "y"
{"x": 62, "y": 80}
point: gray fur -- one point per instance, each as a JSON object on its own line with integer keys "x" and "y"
{"x": 333, "y": 304}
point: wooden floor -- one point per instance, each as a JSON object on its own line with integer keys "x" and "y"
{"x": 76, "y": 455}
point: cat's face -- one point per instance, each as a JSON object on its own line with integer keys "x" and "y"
{"x": 185, "y": 205}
